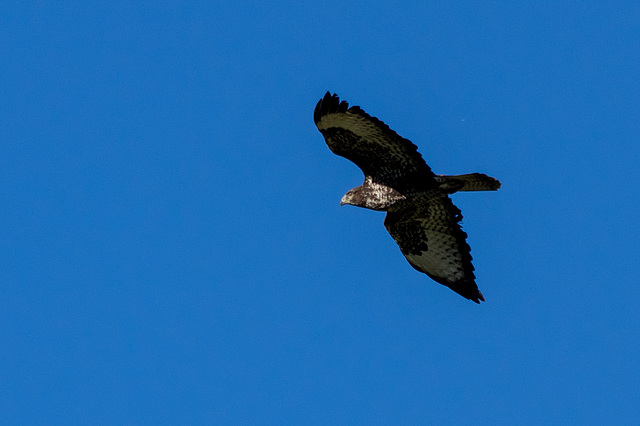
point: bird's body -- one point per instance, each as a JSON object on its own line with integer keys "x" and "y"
{"x": 420, "y": 216}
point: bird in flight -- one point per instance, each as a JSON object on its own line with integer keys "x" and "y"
{"x": 420, "y": 215}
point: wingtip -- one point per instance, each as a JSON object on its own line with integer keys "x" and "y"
{"x": 478, "y": 298}
{"x": 469, "y": 292}
{"x": 329, "y": 104}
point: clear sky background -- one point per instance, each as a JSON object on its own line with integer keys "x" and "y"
{"x": 174, "y": 252}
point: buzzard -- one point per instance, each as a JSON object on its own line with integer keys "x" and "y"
{"x": 420, "y": 216}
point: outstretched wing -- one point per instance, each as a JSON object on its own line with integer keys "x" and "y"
{"x": 430, "y": 237}
{"x": 379, "y": 151}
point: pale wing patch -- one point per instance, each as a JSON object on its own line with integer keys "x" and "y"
{"x": 355, "y": 123}
{"x": 442, "y": 259}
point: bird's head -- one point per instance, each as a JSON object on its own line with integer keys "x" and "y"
{"x": 348, "y": 198}
{"x": 357, "y": 197}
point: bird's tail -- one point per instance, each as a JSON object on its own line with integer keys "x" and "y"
{"x": 468, "y": 182}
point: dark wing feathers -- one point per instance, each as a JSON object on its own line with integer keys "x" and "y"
{"x": 376, "y": 149}
{"x": 429, "y": 235}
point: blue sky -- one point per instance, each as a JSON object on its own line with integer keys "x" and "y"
{"x": 173, "y": 247}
